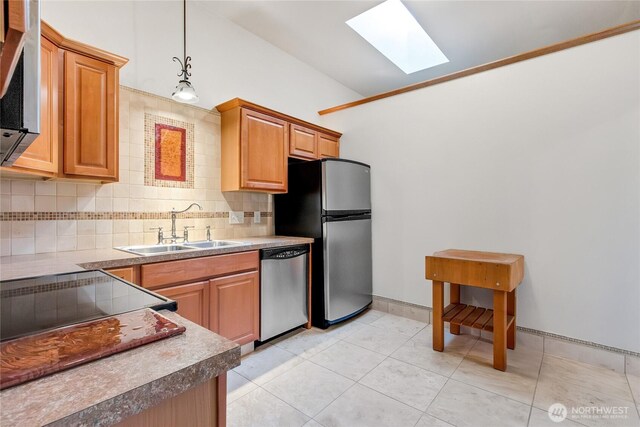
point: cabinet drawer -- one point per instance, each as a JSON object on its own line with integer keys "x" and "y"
{"x": 173, "y": 272}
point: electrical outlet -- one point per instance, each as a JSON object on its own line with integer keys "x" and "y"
{"x": 236, "y": 217}
{"x": 256, "y": 217}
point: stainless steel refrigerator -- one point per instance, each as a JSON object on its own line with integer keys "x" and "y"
{"x": 330, "y": 201}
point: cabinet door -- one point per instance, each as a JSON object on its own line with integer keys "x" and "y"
{"x": 192, "y": 299}
{"x": 303, "y": 142}
{"x": 91, "y": 118}
{"x": 263, "y": 153}
{"x": 329, "y": 146}
{"x": 235, "y": 307}
{"x": 42, "y": 154}
{"x": 130, "y": 274}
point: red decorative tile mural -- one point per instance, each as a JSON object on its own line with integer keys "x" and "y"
{"x": 168, "y": 152}
{"x": 171, "y": 153}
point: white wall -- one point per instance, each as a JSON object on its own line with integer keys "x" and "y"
{"x": 228, "y": 61}
{"x": 539, "y": 158}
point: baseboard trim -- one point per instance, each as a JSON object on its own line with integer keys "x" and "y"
{"x": 587, "y": 352}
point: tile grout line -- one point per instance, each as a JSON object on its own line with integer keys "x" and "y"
{"x": 490, "y": 391}
{"x": 310, "y": 361}
{"x": 344, "y": 338}
{"x": 535, "y": 389}
{"x": 286, "y": 403}
{"x": 580, "y": 386}
{"x": 287, "y": 370}
{"x": 354, "y": 382}
{"x": 633, "y": 396}
{"x": 436, "y": 397}
{"x": 396, "y": 400}
{"x": 430, "y": 370}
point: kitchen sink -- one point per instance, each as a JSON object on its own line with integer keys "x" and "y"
{"x": 210, "y": 244}
{"x": 154, "y": 249}
{"x": 189, "y": 246}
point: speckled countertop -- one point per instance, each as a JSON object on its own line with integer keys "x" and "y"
{"x": 14, "y": 267}
{"x": 106, "y": 391}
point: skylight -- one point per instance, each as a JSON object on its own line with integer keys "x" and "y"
{"x": 393, "y": 31}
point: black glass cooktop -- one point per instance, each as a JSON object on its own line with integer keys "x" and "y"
{"x": 38, "y": 304}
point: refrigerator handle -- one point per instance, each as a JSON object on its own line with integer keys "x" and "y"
{"x": 345, "y": 218}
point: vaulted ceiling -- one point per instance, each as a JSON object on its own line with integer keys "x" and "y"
{"x": 470, "y": 33}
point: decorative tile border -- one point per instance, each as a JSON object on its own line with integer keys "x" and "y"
{"x": 83, "y": 216}
{"x": 377, "y": 300}
{"x": 37, "y": 288}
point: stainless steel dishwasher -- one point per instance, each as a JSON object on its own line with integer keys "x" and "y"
{"x": 283, "y": 289}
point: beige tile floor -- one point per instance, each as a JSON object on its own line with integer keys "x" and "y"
{"x": 380, "y": 370}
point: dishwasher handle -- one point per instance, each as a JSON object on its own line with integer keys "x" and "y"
{"x": 286, "y": 252}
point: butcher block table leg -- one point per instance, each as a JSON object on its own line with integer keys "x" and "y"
{"x": 454, "y": 296}
{"x": 500, "y": 330}
{"x": 438, "y": 312}
{"x": 511, "y": 311}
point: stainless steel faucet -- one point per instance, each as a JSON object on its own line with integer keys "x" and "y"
{"x": 160, "y": 234}
{"x": 186, "y": 232}
{"x": 174, "y": 212}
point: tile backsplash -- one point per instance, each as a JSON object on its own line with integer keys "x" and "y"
{"x": 47, "y": 216}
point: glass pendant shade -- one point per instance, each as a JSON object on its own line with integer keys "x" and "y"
{"x": 185, "y": 93}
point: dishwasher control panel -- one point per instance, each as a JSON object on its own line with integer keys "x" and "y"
{"x": 284, "y": 253}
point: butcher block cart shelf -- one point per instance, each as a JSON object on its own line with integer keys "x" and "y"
{"x": 501, "y": 273}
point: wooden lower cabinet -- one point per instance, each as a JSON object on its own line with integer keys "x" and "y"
{"x": 130, "y": 274}
{"x": 202, "y": 405}
{"x": 235, "y": 307}
{"x": 192, "y": 299}
{"x": 221, "y": 293}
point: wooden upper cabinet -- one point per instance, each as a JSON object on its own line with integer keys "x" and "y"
{"x": 256, "y": 142}
{"x": 263, "y": 154}
{"x": 303, "y": 142}
{"x": 192, "y": 300}
{"x": 328, "y": 146}
{"x": 235, "y": 307}
{"x": 91, "y": 118}
{"x": 42, "y": 154}
{"x": 78, "y": 112}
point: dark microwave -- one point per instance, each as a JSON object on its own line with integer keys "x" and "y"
{"x": 20, "y": 103}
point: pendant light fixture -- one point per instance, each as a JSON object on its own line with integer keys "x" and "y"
{"x": 184, "y": 92}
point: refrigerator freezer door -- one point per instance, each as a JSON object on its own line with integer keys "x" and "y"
{"x": 346, "y": 186}
{"x": 347, "y": 267}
